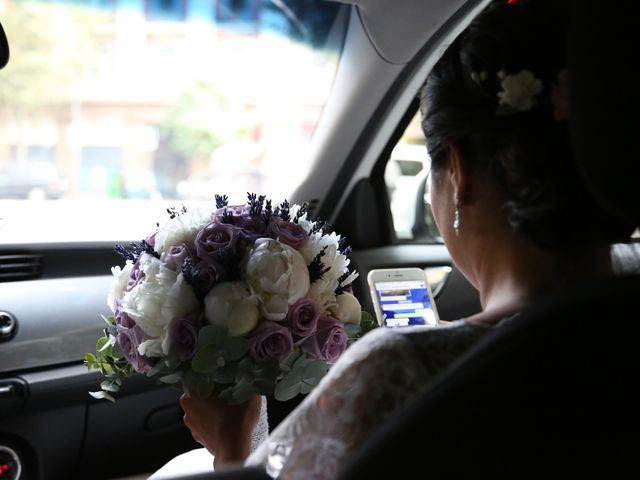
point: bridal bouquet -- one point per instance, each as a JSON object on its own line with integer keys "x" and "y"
{"x": 243, "y": 300}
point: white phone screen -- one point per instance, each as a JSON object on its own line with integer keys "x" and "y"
{"x": 405, "y": 302}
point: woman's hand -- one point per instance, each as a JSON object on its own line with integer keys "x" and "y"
{"x": 225, "y": 430}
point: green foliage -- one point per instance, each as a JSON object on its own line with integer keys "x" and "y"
{"x": 367, "y": 322}
{"x": 109, "y": 361}
{"x": 301, "y": 378}
{"x": 222, "y": 366}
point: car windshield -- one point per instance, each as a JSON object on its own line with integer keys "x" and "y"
{"x": 113, "y": 111}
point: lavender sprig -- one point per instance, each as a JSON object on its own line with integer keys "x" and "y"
{"x": 321, "y": 227}
{"x": 187, "y": 271}
{"x": 316, "y": 267}
{"x": 343, "y": 247}
{"x": 221, "y": 201}
{"x": 135, "y": 250}
{"x": 301, "y": 212}
{"x": 343, "y": 288}
{"x": 255, "y": 204}
{"x": 284, "y": 211}
{"x": 267, "y": 213}
{"x": 227, "y": 216}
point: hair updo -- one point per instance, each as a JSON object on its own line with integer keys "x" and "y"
{"x": 526, "y": 152}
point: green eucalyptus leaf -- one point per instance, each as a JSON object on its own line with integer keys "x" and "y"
{"x": 243, "y": 390}
{"x": 109, "y": 386}
{"x": 285, "y": 392}
{"x": 102, "y": 395}
{"x": 101, "y": 342}
{"x": 314, "y": 371}
{"x": 111, "y": 330}
{"x": 353, "y": 331}
{"x": 155, "y": 369}
{"x": 210, "y": 335}
{"x": 233, "y": 347}
{"x": 263, "y": 386}
{"x": 205, "y": 388}
{"x": 306, "y": 388}
{"x": 294, "y": 377}
{"x": 367, "y": 322}
{"x": 206, "y": 359}
{"x": 224, "y": 376}
{"x": 171, "y": 378}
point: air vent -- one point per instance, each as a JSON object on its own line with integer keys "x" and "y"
{"x": 20, "y": 266}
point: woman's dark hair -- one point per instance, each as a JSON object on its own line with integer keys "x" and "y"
{"x": 526, "y": 153}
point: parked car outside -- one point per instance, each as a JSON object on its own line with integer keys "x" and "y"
{"x": 33, "y": 180}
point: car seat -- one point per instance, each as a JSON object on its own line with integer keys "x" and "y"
{"x": 551, "y": 392}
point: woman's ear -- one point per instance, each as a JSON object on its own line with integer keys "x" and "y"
{"x": 459, "y": 175}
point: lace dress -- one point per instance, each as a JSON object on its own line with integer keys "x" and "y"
{"x": 374, "y": 378}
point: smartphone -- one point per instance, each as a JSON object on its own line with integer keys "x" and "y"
{"x": 402, "y": 297}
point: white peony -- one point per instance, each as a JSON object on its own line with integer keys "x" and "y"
{"x": 159, "y": 298}
{"x": 347, "y": 309}
{"x": 231, "y": 305}
{"x": 119, "y": 283}
{"x": 181, "y": 228}
{"x": 278, "y": 274}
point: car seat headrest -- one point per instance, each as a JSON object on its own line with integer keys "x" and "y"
{"x": 605, "y": 102}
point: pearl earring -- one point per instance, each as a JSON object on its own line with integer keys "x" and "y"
{"x": 456, "y": 220}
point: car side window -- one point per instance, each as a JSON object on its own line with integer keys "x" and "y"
{"x": 407, "y": 179}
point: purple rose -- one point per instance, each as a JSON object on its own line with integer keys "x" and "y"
{"x": 207, "y": 272}
{"x": 288, "y": 232}
{"x": 270, "y": 340}
{"x": 135, "y": 277}
{"x": 216, "y": 239}
{"x": 303, "y": 316}
{"x": 236, "y": 211}
{"x": 250, "y": 229}
{"x": 183, "y": 335}
{"x": 121, "y": 317}
{"x": 329, "y": 341}
{"x": 129, "y": 340}
{"x": 177, "y": 254}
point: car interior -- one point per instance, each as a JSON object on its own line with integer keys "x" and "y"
{"x": 501, "y": 407}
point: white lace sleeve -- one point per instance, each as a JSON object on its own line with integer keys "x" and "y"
{"x": 261, "y": 432}
{"x": 374, "y": 378}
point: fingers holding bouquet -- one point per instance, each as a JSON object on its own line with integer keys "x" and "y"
{"x": 223, "y": 429}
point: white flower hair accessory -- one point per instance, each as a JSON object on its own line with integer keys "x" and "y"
{"x": 519, "y": 91}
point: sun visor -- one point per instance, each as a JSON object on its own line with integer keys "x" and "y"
{"x": 398, "y": 29}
